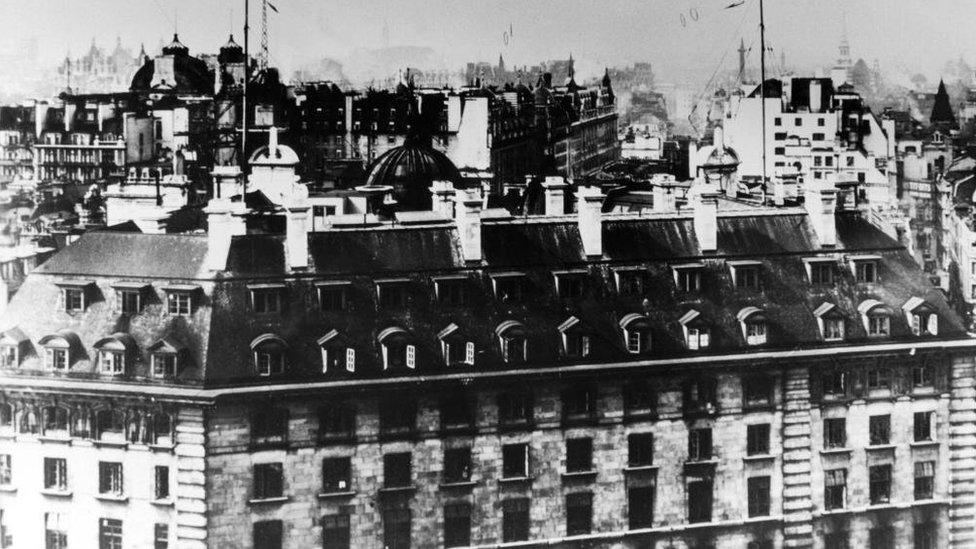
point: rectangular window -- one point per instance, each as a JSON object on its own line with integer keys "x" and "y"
{"x": 55, "y": 474}
{"x": 392, "y": 295}
{"x": 164, "y": 365}
{"x": 396, "y": 528}
{"x": 699, "y": 444}
{"x": 269, "y": 427}
{"x": 835, "y": 488}
{"x": 758, "y": 391}
{"x": 55, "y": 532}
{"x": 515, "y": 409}
{"x": 110, "y": 478}
{"x": 879, "y": 428}
{"x": 162, "y": 482}
{"x": 818, "y": 137}
{"x": 515, "y": 461}
{"x": 688, "y": 279}
{"x": 267, "y": 534}
{"x": 457, "y": 525}
{"x": 130, "y": 301}
{"x": 510, "y": 288}
{"x": 817, "y": 161}
{"x": 878, "y": 325}
{"x": 880, "y": 483}
{"x": 779, "y": 151}
{"x": 835, "y": 432}
{"x": 699, "y": 499}
{"x": 866, "y": 271}
{"x": 74, "y": 300}
{"x": 926, "y": 535}
{"x": 922, "y": 376}
{"x": 758, "y": 488}
{"x": 515, "y": 520}
{"x": 336, "y": 475}
{"x": 397, "y": 470}
{"x": 879, "y": 378}
{"x": 109, "y": 534}
{"x": 335, "y": 532}
{"x": 55, "y": 359}
{"x": 747, "y": 277}
{"x": 457, "y": 465}
{"x": 9, "y": 356}
{"x": 698, "y": 338}
{"x": 579, "y": 513}
{"x": 579, "y": 455}
{"x": 456, "y": 412}
{"x": 923, "y": 426}
{"x": 757, "y": 439}
{"x": 337, "y": 422}
{"x": 700, "y": 396}
{"x": 266, "y": 300}
{"x": 333, "y": 298}
{"x": 821, "y": 122}
{"x": 779, "y": 136}
{"x": 640, "y": 449}
{"x": 640, "y": 506}
{"x": 924, "y": 479}
{"x": 451, "y": 292}
{"x": 161, "y": 536}
{"x": 268, "y": 481}
{"x": 570, "y": 286}
{"x": 398, "y": 417}
{"x": 829, "y": 161}
{"x": 755, "y": 333}
{"x": 777, "y": 121}
{"x": 630, "y": 283}
{"x": 850, "y": 161}
{"x": 178, "y": 303}
{"x": 579, "y": 404}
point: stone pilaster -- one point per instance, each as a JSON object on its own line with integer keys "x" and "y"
{"x": 962, "y": 453}
{"x": 797, "y": 504}
{"x": 191, "y": 491}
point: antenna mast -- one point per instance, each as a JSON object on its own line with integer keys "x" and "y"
{"x": 247, "y": 77}
{"x": 762, "y": 91}
{"x": 263, "y": 60}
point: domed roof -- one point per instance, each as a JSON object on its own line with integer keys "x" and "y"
{"x": 191, "y": 75}
{"x": 410, "y": 169}
{"x": 231, "y": 52}
{"x": 175, "y": 47}
{"x": 274, "y": 153}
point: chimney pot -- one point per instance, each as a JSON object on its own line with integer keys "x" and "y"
{"x": 467, "y": 217}
{"x": 589, "y": 210}
{"x": 555, "y": 188}
{"x": 705, "y": 220}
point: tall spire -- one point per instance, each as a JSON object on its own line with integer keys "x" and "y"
{"x": 742, "y": 60}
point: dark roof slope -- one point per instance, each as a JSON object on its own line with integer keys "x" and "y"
{"x": 110, "y": 253}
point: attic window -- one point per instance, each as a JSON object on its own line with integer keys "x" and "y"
{"x": 570, "y": 285}
{"x": 921, "y": 317}
{"x": 831, "y": 322}
{"x": 637, "y": 333}
{"x": 865, "y": 269}
{"x": 12, "y": 343}
{"x": 179, "y": 299}
{"x": 131, "y": 296}
{"x": 398, "y": 351}
{"x": 876, "y": 318}
{"x": 820, "y": 271}
{"x": 266, "y": 298}
{"x": 576, "y": 339}
{"x": 687, "y": 277}
{"x": 745, "y": 274}
{"x": 509, "y": 286}
{"x": 511, "y": 339}
{"x": 451, "y": 291}
{"x": 333, "y": 295}
{"x": 697, "y": 332}
{"x": 455, "y": 349}
{"x": 630, "y": 281}
{"x": 164, "y": 357}
{"x": 337, "y": 355}
{"x": 269, "y": 354}
{"x": 58, "y": 350}
{"x": 754, "y": 325}
{"x": 392, "y": 293}
{"x": 75, "y": 296}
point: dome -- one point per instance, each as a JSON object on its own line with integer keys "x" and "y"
{"x": 410, "y": 169}
{"x": 721, "y": 159}
{"x": 231, "y": 52}
{"x": 175, "y": 47}
{"x": 191, "y": 75}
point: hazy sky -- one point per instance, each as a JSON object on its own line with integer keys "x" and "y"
{"x": 912, "y": 35}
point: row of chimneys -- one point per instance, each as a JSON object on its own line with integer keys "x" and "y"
{"x": 465, "y": 206}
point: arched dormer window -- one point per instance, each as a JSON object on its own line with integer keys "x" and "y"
{"x": 110, "y": 426}
{"x": 698, "y": 333}
{"x": 831, "y": 322}
{"x": 576, "y": 338}
{"x": 13, "y": 346}
{"x": 166, "y": 357}
{"x": 511, "y": 340}
{"x": 921, "y": 316}
{"x": 455, "y": 347}
{"x": 337, "y": 354}
{"x": 60, "y": 350}
{"x": 876, "y": 318}
{"x": 114, "y": 353}
{"x": 398, "y": 349}
{"x": 269, "y": 354}
{"x": 637, "y": 333}
{"x": 754, "y": 326}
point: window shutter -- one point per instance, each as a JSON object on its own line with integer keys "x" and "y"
{"x": 933, "y": 324}
{"x": 350, "y": 359}
{"x": 104, "y": 479}
{"x": 386, "y": 356}
{"x": 49, "y": 468}
{"x": 702, "y": 338}
{"x": 585, "y": 346}
{"x": 411, "y": 356}
{"x": 469, "y": 352}
{"x": 325, "y": 360}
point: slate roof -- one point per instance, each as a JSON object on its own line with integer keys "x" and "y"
{"x": 219, "y": 331}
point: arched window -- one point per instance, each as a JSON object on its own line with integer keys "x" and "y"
{"x": 698, "y": 333}
{"x": 60, "y": 350}
{"x": 753, "y": 323}
{"x": 114, "y": 353}
{"x": 637, "y": 333}
{"x": 110, "y": 426}
{"x": 876, "y": 318}
{"x": 511, "y": 339}
{"x": 398, "y": 349}
{"x": 166, "y": 357}
{"x": 55, "y": 421}
{"x": 270, "y": 355}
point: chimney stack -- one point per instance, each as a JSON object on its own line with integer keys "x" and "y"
{"x": 779, "y": 191}
{"x": 225, "y": 219}
{"x": 589, "y": 209}
{"x": 555, "y": 187}
{"x": 705, "y": 219}
{"x": 467, "y": 216}
{"x": 443, "y": 198}
{"x": 821, "y": 206}
{"x": 296, "y": 233}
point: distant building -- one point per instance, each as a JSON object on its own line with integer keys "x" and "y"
{"x": 98, "y": 71}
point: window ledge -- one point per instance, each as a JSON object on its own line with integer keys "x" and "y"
{"x": 110, "y": 444}
{"x": 640, "y": 468}
{"x": 880, "y": 447}
{"x": 835, "y": 451}
{"x": 925, "y": 444}
{"x": 112, "y": 497}
{"x": 335, "y": 495}
{"x": 56, "y": 493}
{"x": 759, "y": 457}
{"x": 268, "y": 501}
{"x": 398, "y": 489}
{"x": 463, "y": 484}
{"x": 573, "y": 475}
{"x": 163, "y": 502}
{"x": 55, "y": 440}
{"x": 514, "y": 480}
{"x": 693, "y": 462}
{"x": 163, "y": 449}
{"x": 8, "y": 436}
{"x": 8, "y": 489}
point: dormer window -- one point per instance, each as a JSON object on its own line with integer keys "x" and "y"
{"x": 697, "y": 331}
{"x": 754, "y": 325}
{"x": 75, "y": 296}
{"x": 333, "y": 295}
{"x": 266, "y": 298}
{"x": 576, "y": 339}
{"x": 688, "y": 277}
{"x": 113, "y": 353}
{"x": 570, "y": 285}
{"x": 392, "y": 294}
{"x": 13, "y": 343}
{"x": 9, "y": 356}
{"x": 745, "y": 274}
{"x": 820, "y": 271}
{"x": 398, "y": 350}
{"x": 630, "y": 282}
{"x": 637, "y": 333}
{"x": 509, "y": 287}
{"x": 831, "y": 322}
{"x": 131, "y": 296}
{"x": 511, "y": 339}
{"x": 455, "y": 348}
{"x": 865, "y": 269}
{"x": 58, "y": 349}
{"x": 876, "y": 318}
{"x": 164, "y": 358}
{"x": 921, "y": 317}
{"x": 269, "y": 354}
{"x": 179, "y": 299}
{"x": 451, "y": 290}
{"x": 337, "y": 354}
